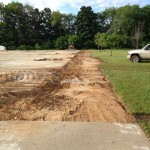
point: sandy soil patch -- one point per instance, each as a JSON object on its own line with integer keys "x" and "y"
{"x": 76, "y": 91}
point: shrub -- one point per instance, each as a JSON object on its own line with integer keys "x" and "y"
{"x": 61, "y": 42}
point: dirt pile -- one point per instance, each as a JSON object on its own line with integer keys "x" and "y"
{"x": 98, "y": 101}
{"x": 76, "y": 92}
{"x": 30, "y": 95}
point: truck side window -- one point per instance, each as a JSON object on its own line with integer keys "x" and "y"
{"x": 148, "y": 47}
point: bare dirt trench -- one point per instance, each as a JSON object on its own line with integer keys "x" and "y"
{"x": 77, "y": 92}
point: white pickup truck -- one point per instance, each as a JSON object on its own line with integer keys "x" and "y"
{"x": 139, "y": 54}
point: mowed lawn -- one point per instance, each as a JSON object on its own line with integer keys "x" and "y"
{"x": 130, "y": 80}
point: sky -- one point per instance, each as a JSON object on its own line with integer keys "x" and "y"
{"x": 73, "y": 6}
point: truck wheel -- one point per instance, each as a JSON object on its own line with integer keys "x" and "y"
{"x": 135, "y": 58}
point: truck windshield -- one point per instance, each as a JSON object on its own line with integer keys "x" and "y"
{"x": 147, "y": 47}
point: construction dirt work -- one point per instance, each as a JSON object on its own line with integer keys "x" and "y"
{"x": 57, "y": 86}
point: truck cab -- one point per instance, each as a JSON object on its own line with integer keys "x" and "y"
{"x": 139, "y": 54}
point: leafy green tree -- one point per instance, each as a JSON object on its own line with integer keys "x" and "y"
{"x": 117, "y": 40}
{"x": 45, "y": 24}
{"x": 101, "y": 40}
{"x": 129, "y": 21}
{"x": 63, "y": 24}
{"x": 86, "y": 26}
{"x": 32, "y": 28}
{"x": 37, "y": 46}
{"x": 14, "y": 23}
{"x": 97, "y": 40}
{"x": 105, "y": 19}
{"x": 114, "y": 40}
{"x": 74, "y": 39}
{"x": 22, "y": 26}
{"x": 56, "y": 22}
{"x": 56, "y": 18}
{"x": 2, "y": 24}
{"x": 61, "y": 43}
{"x": 146, "y": 30}
{"x": 68, "y": 23}
{"x": 47, "y": 45}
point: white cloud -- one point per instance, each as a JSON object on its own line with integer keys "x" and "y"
{"x": 106, "y": 3}
{"x": 76, "y": 4}
{"x": 52, "y": 4}
{"x": 5, "y": 1}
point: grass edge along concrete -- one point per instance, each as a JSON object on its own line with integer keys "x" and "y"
{"x": 130, "y": 81}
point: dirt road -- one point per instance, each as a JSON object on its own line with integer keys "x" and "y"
{"x": 76, "y": 92}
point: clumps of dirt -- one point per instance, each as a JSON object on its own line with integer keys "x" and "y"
{"x": 98, "y": 101}
{"x": 76, "y": 92}
{"x": 40, "y": 99}
{"x": 50, "y": 88}
{"x": 49, "y": 59}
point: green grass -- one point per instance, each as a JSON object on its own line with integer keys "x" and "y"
{"x": 146, "y": 127}
{"x": 130, "y": 80}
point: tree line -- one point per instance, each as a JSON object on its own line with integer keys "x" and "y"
{"x": 24, "y": 27}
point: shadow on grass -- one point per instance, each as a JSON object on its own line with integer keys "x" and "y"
{"x": 142, "y": 117}
{"x": 145, "y": 61}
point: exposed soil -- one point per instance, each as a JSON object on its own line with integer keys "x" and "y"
{"x": 76, "y": 92}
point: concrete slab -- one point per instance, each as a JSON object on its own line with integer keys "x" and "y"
{"x": 20, "y": 60}
{"x": 71, "y": 136}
